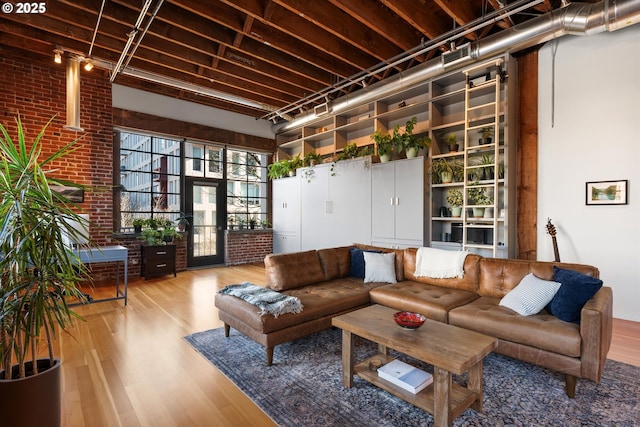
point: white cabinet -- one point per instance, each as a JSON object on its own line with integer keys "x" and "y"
{"x": 336, "y": 204}
{"x": 398, "y": 203}
{"x": 286, "y": 214}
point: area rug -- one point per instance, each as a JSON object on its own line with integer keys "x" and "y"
{"x": 304, "y": 388}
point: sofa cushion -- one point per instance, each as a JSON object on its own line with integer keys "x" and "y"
{"x": 379, "y": 267}
{"x": 530, "y": 296}
{"x": 356, "y": 268}
{"x": 431, "y": 301}
{"x": 399, "y": 263}
{"x": 288, "y": 271}
{"x": 335, "y": 262}
{"x": 320, "y": 299}
{"x": 543, "y": 330}
{"x": 498, "y": 276}
{"x": 469, "y": 282}
{"x": 576, "y": 290}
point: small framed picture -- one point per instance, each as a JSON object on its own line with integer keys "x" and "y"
{"x": 73, "y": 194}
{"x": 607, "y": 192}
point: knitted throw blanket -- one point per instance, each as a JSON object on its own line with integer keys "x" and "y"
{"x": 267, "y": 300}
{"x": 439, "y": 263}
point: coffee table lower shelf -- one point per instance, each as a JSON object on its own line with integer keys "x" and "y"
{"x": 461, "y": 398}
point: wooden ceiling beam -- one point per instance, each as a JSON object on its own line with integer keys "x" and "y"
{"x": 298, "y": 28}
{"x": 381, "y": 20}
{"x": 334, "y": 21}
{"x": 461, "y": 12}
{"x": 426, "y": 17}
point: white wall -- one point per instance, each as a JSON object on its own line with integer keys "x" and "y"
{"x": 595, "y": 137}
{"x": 164, "y": 106}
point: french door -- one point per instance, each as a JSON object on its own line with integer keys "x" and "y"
{"x": 206, "y": 204}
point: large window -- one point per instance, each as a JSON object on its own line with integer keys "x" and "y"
{"x": 149, "y": 178}
{"x": 151, "y": 185}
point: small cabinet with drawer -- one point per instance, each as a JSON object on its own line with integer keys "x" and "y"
{"x": 158, "y": 260}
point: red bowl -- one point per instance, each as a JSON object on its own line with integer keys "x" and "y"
{"x": 409, "y": 320}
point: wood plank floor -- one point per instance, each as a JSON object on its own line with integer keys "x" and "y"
{"x": 131, "y": 367}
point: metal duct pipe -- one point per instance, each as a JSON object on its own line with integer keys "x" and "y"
{"x": 574, "y": 19}
{"x": 73, "y": 94}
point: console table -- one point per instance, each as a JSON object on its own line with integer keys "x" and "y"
{"x": 106, "y": 254}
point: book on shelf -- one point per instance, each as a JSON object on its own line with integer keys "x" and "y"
{"x": 406, "y": 376}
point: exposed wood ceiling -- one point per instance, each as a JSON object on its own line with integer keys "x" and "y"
{"x": 270, "y": 53}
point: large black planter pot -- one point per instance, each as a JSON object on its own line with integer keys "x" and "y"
{"x": 34, "y": 401}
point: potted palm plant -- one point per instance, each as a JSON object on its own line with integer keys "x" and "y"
{"x": 40, "y": 274}
{"x": 480, "y": 197}
{"x": 413, "y": 143}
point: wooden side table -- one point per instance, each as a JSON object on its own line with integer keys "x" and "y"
{"x": 158, "y": 260}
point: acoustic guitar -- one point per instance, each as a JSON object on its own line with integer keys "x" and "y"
{"x": 551, "y": 229}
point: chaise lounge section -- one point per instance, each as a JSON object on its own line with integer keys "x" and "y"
{"x": 322, "y": 281}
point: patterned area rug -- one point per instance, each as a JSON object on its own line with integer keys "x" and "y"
{"x": 304, "y": 388}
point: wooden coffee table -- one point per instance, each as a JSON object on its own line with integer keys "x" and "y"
{"x": 450, "y": 349}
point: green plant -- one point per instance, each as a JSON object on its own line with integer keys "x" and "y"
{"x": 39, "y": 272}
{"x": 479, "y": 194}
{"x": 487, "y": 169}
{"x": 486, "y": 132}
{"x": 383, "y": 143}
{"x": 447, "y": 166}
{"x": 138, "y": 222}
{"x": 454, "y": 197}
{"x": 265, "y": 223}
{"x": 279, "y": 169}
{"x": 412, "y": 141}
{"x": 312, "y": 159}
{"x": 151, "y": 236}
{"x": 452, "y": 140}
{"x": 349, "y": 151}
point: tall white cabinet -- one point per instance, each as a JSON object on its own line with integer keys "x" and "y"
{"x": 286, "y": 214}
{"x": 398, "y": 203}
{"x": 335, "y": 204}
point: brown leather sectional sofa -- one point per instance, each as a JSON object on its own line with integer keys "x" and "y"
{"x": 322, "y": 282}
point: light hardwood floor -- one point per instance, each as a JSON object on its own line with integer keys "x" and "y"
{"x": 129, "y": 366}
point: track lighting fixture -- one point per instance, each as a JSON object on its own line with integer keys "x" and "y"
{"x": 88, "y": 65}
{"x": 57, "y": 56}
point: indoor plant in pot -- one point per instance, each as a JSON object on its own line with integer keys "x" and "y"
{"x": 412, "y": 143}
{"x": 383, "y": 145}
{"x": 40, "y": 274}
{"x": 479, "y": 196}
{"x": 454, "y": 198}
{"x": 486, "y": 133}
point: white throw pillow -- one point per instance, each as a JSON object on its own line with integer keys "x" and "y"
{"x": 379, "y": 267}
{"x": 530, "y": 296}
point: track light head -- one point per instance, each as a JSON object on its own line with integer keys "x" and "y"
{"x": 88, "y": 65}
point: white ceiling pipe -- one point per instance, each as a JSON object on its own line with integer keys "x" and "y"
{"x": 574, "y": 19}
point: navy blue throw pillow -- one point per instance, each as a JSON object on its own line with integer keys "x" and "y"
{"x": 357, "y": 262}
{"x": 575, "y": 291}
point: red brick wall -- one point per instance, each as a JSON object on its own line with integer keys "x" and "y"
{"x": 38, "y": 92}
{"x": 247, "y": 246}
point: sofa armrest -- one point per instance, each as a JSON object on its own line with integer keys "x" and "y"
{"x": 596, "y": 321}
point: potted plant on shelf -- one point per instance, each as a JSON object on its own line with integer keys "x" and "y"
{"x": 231, "y": 221}
{"x": 452, "y": 142}
{"x": 183, "y": 222}
{"x": 278, "y": 169}
{"x": 312, "y": 159}
{"x": 40, "y": 275}
{"x": 488, "y": 165}
{"x": 137, "y": 225}
{"x": 481, "y": 197}
{"x": 486, "y": 133}
{"x": 444, "y": 171}
{"x": 454, "y": 198}
{"x": 412, "y": 143}
{"x": 252, "y": 223}
{"x": 383, "y": 145}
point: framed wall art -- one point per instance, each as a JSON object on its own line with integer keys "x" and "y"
{"x": 74, "y": 194}
{"x": 607, "y": 192}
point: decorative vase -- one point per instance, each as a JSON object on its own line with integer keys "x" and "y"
{"x": 446, "y": 177}
{"x": 384, "y": 158}
{"x": 478, "y": 212}
{"x": 34, "y": 400}
{"x": 453, "y": 148}
{"x": 456, "y": 211}
{"x": 412, "y": 152}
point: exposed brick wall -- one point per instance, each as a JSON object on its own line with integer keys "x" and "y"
{"x": 247, "y": 246}
{"x": 38, "y": 92}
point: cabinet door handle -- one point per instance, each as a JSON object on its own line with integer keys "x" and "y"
{"x": 161, "y": 265}
{"x": 391, "y": 201}
{"x": 397, "y": 200}
{"x": 161, "y": 253}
